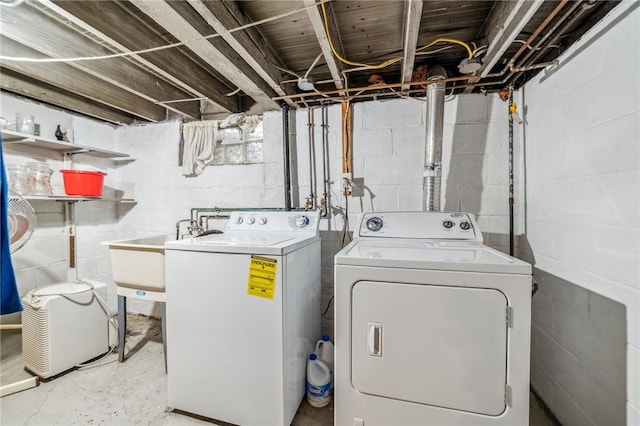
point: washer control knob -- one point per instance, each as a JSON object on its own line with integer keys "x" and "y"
{"x": 447, "y": 224}
{"x": 465, "y": 225}
{"x": 239, "y": 220}
{"x": 302, "y": 221}
{"x": 251, "y": 220}
{"x": 262, "y": 221}
{"x": 374, "y": 224}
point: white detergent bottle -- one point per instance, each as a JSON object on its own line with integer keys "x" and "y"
{"x": 324, "y": 351}
{"x": 318, "y": 382}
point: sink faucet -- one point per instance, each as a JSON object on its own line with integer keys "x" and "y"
{"x": 193, "y": 225}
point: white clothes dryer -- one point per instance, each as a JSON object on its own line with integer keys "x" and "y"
{"x": 432, "y": 327}
{"x": 243, "y": 315}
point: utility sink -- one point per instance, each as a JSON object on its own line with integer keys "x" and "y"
{"x": 138, "y": 270}
{"x": 139, "y": 263}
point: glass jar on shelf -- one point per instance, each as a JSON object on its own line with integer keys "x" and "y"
{"x": 18, "y": 178}
{"x": 39, "y": 179}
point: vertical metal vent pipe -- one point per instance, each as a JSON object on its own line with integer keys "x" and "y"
{"x": 286, "y": 156}
{"x": 432, "y": 175}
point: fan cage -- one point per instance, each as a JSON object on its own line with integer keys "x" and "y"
{"x": 21, "y": 221}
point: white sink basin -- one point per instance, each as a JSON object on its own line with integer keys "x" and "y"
{"x": 139, "y": 263}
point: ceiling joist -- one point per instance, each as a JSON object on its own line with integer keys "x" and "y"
{"x": 106, "y": 21}
{"x": 504, "y": 24}
{"x": 16, "y": 83}
{"x": 74, "y": 81}
{"x": 164, "y": 14}
{"x": 34, "y": 29}
{"x": 413, "y": 14}
{"x": 317, "y": 22}
{"x": 218, "y": 15}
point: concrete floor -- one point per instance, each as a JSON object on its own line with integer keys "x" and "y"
{"x": 133, "y": 392}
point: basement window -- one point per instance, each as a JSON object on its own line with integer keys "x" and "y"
{"x": 241, "y": 143}
{"x": 238, "y": 139}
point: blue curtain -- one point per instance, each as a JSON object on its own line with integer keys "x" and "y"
{"x": 9, "y": 296}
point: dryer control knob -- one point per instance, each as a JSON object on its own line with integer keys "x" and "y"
{"x": 239, "y": 220}
{"x": 302, "y": 221}
{"x": 465, "y": 225}
{"x": 447, "y": 224}
{"x": 262, "y": 221}
{"x": 251, "y": 220}
{"x": 374, "y": 224}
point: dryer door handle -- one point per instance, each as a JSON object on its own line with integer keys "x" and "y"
{"x": 374, "y": 341}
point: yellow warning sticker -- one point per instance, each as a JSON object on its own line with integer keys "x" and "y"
{"x": 262, "y": 277}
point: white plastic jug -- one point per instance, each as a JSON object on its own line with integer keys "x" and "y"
{"x": 318, "y": 382}
{"x": 324, "y": 351}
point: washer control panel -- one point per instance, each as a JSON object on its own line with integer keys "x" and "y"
{"x": 274, "y": 220}
{"x": 420, "y": 225}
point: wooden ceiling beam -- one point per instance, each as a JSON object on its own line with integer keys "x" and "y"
{"x": 218, "y": 14}
{"x": 108, "y": 21}
{"x": 317, "y": 22}
{"x": 413, "y": 15}
{"x": 76, "y": 82}
{"x": 502, "y": 26}
{"x": 39, "y": 91}
{"x": 33, "y": 25}
{"x": 164, "y": 14}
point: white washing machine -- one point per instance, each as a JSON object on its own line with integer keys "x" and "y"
{"x": 432, "y": 327}
{"x": 243, "y": 315}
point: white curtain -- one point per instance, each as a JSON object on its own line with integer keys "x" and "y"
{"x": 199, "y": 145}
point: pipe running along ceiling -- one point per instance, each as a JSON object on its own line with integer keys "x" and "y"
{"x": 145, "y": 61}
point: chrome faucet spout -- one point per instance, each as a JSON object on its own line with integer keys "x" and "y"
{"x": 192, "y": 224}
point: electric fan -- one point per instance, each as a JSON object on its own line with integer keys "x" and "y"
{"x": 21, "y": 221}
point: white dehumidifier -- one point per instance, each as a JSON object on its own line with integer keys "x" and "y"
{"x": 64, "y": 325}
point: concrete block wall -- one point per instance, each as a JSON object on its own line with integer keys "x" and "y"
{"x": 388, "y": 156}
{"x": 476, "y": 168}
{"x": 578, "y": 352}
{"x": 164, "y": 195}
{"x": 582, "y": 221}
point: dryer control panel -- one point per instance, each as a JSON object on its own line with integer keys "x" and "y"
{"x": 456, "y": 226}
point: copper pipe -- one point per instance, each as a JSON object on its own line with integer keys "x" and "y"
{"x": 551, "y": 31}
{"x": 425, "y": 83}
{"x": 384, "y": 86}
{"x": 347, "y": 142}
{"x": 533, "y": 66}
{"x": 583, "y": 8}
{"x": 538, "y": 31}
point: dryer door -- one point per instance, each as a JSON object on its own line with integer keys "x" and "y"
{"x": 435, "y": 345}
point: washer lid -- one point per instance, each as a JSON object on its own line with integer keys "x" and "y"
{"x": 433, "y": 255}
{"x": 246, "y": 242}
{"x": 245, "y": 239}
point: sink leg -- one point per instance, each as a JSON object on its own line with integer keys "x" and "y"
{"x": 163, "y": 315}
{"x": 122, "y": 325}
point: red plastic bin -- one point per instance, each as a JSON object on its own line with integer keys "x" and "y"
{"x": 83, "y": 183}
